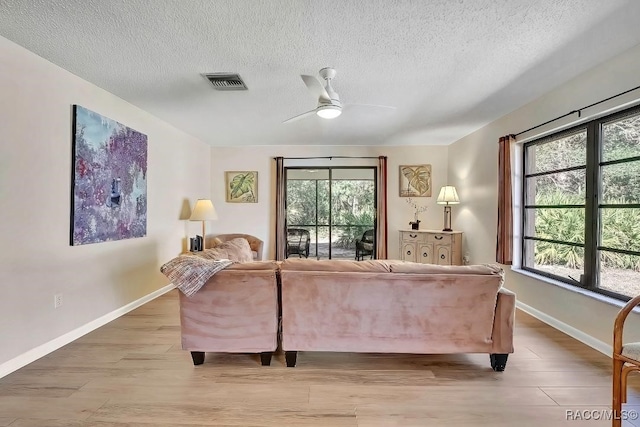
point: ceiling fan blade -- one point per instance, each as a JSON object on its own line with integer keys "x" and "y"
{"x": 300, "y": 116}
{"x": 316, "y": 87}
{"x": 369, "y": 105}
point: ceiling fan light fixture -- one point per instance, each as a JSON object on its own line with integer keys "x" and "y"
{"x": 329, "y": 105}
{"x": 329, "y": 111}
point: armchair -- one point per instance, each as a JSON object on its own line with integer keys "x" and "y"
{"x": 365, "y": 246}
{"x": 298, "y": 241}
{"x": 255, "y": 243}
{"x": 626, "y": 359}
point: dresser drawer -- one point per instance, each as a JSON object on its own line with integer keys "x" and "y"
{"x": 439, "y": 239}
{"x": 408, "y": 236}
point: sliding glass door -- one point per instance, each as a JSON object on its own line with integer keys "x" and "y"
{"x": 329, "y": 210}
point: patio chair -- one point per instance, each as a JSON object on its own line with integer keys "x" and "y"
{"x": 365, "y": 246}
{"x": 626, "y": 359}
{"x": 298, "y": 241}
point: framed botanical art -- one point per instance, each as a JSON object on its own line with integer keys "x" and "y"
{"x": 241, "y": 186}
{"x": 109, "y": 180}
{"x": 415, "y": 181}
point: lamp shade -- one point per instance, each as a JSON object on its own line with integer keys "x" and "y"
{"x": 203, "y": 211}
{"x": 448, "y": 196}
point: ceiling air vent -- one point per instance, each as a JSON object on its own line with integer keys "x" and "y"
{"x": 226, "y": 81}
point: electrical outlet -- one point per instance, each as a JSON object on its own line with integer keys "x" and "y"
{"x": 57, "y": 300}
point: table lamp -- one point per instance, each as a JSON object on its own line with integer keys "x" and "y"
{"x": 448, "y": 196}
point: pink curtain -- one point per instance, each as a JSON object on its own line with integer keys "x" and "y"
{"x": 504, "y": 240}
{"x": 281, "y": 214}
{"x": 381, "y": 210}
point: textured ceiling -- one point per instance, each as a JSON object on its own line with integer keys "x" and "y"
{"x": 449, "y": 66}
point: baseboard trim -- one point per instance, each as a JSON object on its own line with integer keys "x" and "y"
{"x": 592, "y": 342}
{"x": 42, "y": 350}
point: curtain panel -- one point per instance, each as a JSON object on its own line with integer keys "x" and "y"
{"x": 504, "y": 238}
{"x": 381, "y": 210}
{"x": 281, "y": 214}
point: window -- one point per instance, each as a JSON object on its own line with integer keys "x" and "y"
{"x": 581, "y": 198}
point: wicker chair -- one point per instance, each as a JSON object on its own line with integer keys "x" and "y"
{"x": 626, "y": 359}
{"x": 255, "y": 243}
{"x": 298, "y": 241}
{"x": 365, "y": 246}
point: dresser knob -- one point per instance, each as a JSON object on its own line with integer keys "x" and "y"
{"x": 438, "y": 237}
{"x": 442, "y": 256}
{"x": 413, "y": 236}
{"x": 424, "y": 254}
{"x": 408, "y": 252}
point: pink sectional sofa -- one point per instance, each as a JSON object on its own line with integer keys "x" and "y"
{"x": 395, "y": 307}
{"x": 236, "y": 311}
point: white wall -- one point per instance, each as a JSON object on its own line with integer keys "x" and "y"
{"x": 473, "y": 169}
{"x": 259, "y": 219}
{"x": 36, "y": 260}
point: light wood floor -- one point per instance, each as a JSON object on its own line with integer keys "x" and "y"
{"x": 132, "y": 372}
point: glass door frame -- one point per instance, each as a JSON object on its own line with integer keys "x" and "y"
{"x": 330, "y": 179}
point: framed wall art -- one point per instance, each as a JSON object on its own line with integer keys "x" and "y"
{"x": 241, "y": 186}
{"x": 415, "y": 181}
{"x": 109, "y": 200}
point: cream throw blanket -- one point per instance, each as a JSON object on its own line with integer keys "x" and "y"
{"x": 190, "y": 272}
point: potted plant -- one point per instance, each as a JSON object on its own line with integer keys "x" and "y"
{"x": 415, "y": 224}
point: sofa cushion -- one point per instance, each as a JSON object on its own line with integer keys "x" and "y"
{"x": 335, "y": 265}
{"x": 255, "y": 265}
{"x": 416, "y": 268}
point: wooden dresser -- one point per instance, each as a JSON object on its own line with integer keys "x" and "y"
{"x": 431, "y": 247}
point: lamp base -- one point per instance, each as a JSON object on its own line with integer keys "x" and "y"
{"x": 447, "y": 218}
{"x": 204, "y": 238}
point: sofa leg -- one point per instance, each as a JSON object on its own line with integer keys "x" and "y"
{"x": 265, "y": 358}
{"x": 498, "y": 361}
{"x": 290, "y": 357}
{"x": 198, "y": 357}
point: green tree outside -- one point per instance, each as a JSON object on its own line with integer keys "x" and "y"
{"x": 620, "y": 184}
{"x": 352, "y": 209}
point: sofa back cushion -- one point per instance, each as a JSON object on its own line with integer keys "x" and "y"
{"x": 407, "y": 313}
{"x": 415, "y": 268}
{"x": 255, "y": 265}
{"x": 334, "y": 265}
{"x": 236, "y": 311}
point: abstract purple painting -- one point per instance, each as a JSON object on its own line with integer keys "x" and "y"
{"x": 109, "y": 180}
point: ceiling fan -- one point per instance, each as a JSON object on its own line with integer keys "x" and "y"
{"x": 329, "y": 105}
